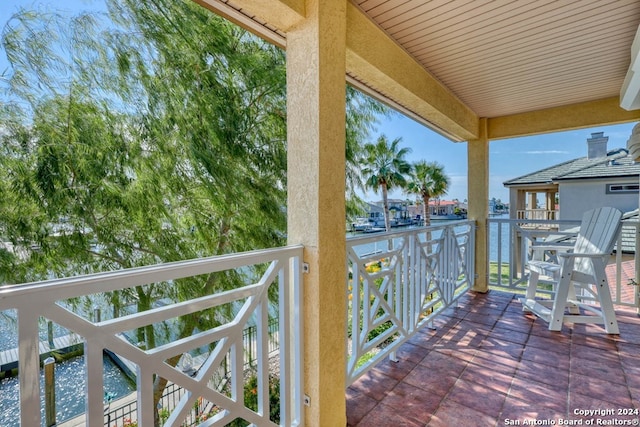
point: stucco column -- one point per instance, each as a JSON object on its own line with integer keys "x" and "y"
{"x": 478, "y": 193}
{"x": 316, "y": 203}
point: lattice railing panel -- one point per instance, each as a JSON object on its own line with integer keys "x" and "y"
{"x": 252, "y": 305}
{"x": 397, "y": 283}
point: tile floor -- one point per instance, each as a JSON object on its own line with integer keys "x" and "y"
{"x": 489, "y": 364}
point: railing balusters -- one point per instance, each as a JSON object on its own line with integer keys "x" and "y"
{"x": 520, "y": 234}
{"x": 428, "y": 270}
{"x": 284, "y": 271}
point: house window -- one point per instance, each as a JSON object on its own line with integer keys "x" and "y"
{"x": 622, "y": 188}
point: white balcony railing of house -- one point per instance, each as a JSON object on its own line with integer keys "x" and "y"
{"x": 250, "y": 304}
{"x": 537, "y": 214}
{"x": 512, "y": 242}
{"x": 398, "y": 282}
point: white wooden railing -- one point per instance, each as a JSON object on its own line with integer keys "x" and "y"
{"x": 282, "y": 276}
{"x": 536, "y": 214}
{"x": 510, "y": 245}
{"x": 398, "y": 282}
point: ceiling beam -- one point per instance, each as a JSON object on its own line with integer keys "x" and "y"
{"x": 575, "y": 116}
{"x": 281, "y": 14}
{"x": 377, "y": 61}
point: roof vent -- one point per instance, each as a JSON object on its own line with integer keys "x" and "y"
{"x": 597, "y": 145}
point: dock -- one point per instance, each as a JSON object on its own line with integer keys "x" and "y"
{"x": 63, "y": 344}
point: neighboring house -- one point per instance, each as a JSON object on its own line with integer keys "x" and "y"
{"x": 440, "y": 209}
{"x": 602, "y": 178}
{"x": 398, "y": 211}
{"x": 375, "y": 214}
{"x": 447, "y": 209}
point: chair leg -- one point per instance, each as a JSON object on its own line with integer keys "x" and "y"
{"x": 606, "y": 304}
{"x": 560, "y": 301}
{"x": 532, "y": 287}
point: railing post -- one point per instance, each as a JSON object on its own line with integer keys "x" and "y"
{"x": 50, "y": 334}
{"x": 49, "y": 391}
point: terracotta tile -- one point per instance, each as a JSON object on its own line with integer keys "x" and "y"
{"x": 481, "y": 318}
{"x": 451, "y": 413}
{"x": 412, "y": 402}
{"x": 543, "y": 373}
{"x": 628, "y": 350}
{"x": 465, "y": 354}
{"x": 432, "y": 380}
{"x": 540, "y": 395}
{"x": 544, "y": 357}
{"x": 556, "y": 342}
{"x": 605, "y": 342}
{"x": 408, "y": 352}
{"x": 523, "y": 325}
{"x": 518, "y": 411}
{"x": 505, "y": 365}
{"x": 495, "y": 309}
{"x": 579, "y": 402}
{"x": 396, "y": 370}
{"x": 488, "y": 378}
{"x": 386, "y": 416}
{"x": 502, "y": 348}
{"x": 609, "y": 371}
{"x": 424, "y": 339}
{"x": 358, "y": 405}
{"x": 467, "y": 393}
{"x": 500, "y": 332}
{"x": 374, "y": 384}
{"x": 541, "y": 328}
{"x": 470, "y": 372}
{"x": 596, "y": 388}
{"x": 582, "y": 352}
{"x": 444, "y": 363}
{"x": 463, "y": 337}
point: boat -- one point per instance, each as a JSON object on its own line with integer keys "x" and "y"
{"x": 360, "y": 224}
{"x": 373, "y": 229}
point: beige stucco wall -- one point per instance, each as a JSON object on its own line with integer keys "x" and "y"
{"x": 316, "y": 205}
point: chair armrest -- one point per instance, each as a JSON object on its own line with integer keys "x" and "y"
{"x": 556, "y": 247}
{"x": 579, "y": 255}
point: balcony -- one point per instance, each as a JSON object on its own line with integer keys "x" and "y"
{"x": 441, "y": 354}
{"x": 487, "y": 362}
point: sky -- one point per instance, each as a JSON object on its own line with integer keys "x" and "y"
{"x": 508, "y": 158}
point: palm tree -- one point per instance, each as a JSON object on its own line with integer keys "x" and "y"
{"x": 428, "y": 180}
{"x": 384, "y": 168}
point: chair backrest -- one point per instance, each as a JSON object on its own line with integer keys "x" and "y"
{"x": 598, "y": 234}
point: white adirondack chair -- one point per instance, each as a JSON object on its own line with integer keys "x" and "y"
{"x": 582, "y": 283}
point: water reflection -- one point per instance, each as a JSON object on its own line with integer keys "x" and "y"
{"x": 70, "y": 391}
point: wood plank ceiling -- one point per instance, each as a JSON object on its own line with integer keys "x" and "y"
{"x": 505, "y": 57}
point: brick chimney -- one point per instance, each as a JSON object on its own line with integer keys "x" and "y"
{"x": 597, "y": 145}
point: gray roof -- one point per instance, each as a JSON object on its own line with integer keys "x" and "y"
{"x": 616, "y": 164}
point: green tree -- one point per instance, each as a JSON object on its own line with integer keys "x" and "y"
{"x": 384, "y": 168}
{"x": 157, "y": 137}
{"x": 363, "y": 113}
{"x": 428, "y": 181}
{"x": 179, "y": 154}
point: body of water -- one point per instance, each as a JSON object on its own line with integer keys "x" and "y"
{"x": 70, "y": 390}
{"x": 495, "y": 250}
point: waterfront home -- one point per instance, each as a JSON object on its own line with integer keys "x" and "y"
{"x": 474, "y": 72}
{"x": 447, "y": 209}
{"x": 603, "y": 177}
